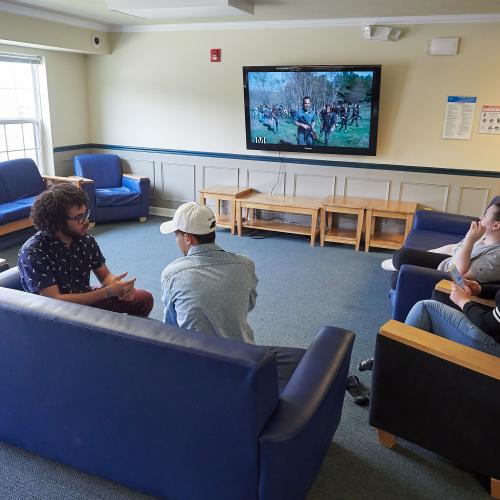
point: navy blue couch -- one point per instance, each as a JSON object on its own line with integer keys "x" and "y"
{"x": 431, "y": 229}
{"x": 161, "y": 409}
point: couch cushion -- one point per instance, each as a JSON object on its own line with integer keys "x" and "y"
{"x": 104, "y": 170}
{"x": 21, "y": 178}
{"x": 422, "y": 239}
{"x": 10, "y": 212}
{"x": 27, "y": 201}
{"x": 116, "y": 197}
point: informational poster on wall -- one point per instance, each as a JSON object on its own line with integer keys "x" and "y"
{"x": 459, "y": 117}
{"x": 489, "y": 122}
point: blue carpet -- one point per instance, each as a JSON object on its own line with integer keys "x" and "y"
{"x": 300, "y": 290}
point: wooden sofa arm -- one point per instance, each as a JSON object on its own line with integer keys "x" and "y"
{"x": 57, "y": 179}
{"x": 445, "y": 287}
{"x": 459, "y": 354}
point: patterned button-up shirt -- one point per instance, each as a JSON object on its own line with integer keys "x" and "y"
{"x": 45, "y": 261}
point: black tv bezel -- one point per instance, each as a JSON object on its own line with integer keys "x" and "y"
{"x": 371, "y": 150}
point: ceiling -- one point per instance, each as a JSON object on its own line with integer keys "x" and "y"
{"x": 270, "y": 10}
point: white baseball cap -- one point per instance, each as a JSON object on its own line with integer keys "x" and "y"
{"x": 191, "y": 218}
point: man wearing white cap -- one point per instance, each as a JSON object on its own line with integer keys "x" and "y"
{"x": 208, "y": 290}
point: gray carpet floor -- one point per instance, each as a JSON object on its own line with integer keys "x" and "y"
{"x": 300, "y": 290}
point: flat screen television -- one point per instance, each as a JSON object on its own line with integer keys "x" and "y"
{"x": 314, "y": 109}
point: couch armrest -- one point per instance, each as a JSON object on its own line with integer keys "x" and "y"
{"x": 58, "y": 179}
{"x": 414, "y": 283}
{"x": 11, "y": 278}
{"x": 442, "y": 222}
{"x": 140, "y": 185}
{"x": 297, "y": 437}
{"x": 135, "y": 176}
{"x": 437, "y": 346}
{"x": 445, "y": 287}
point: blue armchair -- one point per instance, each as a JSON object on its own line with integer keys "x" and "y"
{"x": 430, "y": 230}
{"x": 112, "y": 195}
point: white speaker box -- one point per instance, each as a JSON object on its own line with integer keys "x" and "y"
{"x": 384, "y": 33}
{"x": 445, "y": 46}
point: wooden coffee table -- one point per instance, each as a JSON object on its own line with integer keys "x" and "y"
{"x": 388, "y": 209}
{"x": 275, "y": 203}
{"x": 224, "y": 193}
{"x": 342, "y": 205}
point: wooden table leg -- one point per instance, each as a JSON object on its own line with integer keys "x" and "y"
{"x": 314, "y": 225}
{"x": 238, "y": 216}
{"x": 202, "y": 199}
{"x": 409, "y": 223}
{"x": 232, "y": 206}
{"x": 218, "y": 206}
{"x": 359, "y": 229}
{"x": 322, "y": 228}
{"x": 368, "y": 232}
{"x": 495, "y": 487}
{"x": 386, "y": 438}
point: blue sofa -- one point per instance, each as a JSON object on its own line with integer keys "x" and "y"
{"x": 430, "y": 230}
{"x": 20, "y": 184}
{"x": 161, "y": 409}
{"x": 112, "y": 195}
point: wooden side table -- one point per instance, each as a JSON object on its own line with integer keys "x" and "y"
{"x": 342, "y": 205}
{"x": 224, "y": 193}
{"x": 402, "y": 210}
{"x": 275, "y": 203}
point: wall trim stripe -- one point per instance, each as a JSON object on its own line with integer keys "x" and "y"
{"x": 279, "y": 159}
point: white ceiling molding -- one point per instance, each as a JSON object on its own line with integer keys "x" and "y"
{"x": 180, "y": 9}
{"x": 52, "y": 17}
{"x": 311, "y": 23}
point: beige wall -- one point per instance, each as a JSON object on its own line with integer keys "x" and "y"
{"x": 160, "y": 90}
{"x": 23, "y": 30}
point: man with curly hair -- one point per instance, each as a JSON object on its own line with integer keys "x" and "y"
{"x": 57, "y": 261}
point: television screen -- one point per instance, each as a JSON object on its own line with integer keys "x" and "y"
{"x": 318, "y": 109}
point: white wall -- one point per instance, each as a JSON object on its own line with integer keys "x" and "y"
{"x": 160, "y": 90}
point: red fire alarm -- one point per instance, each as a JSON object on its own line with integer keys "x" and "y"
{"x": 215, "y": 55}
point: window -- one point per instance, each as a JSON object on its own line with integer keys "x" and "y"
{"x": 20, "y": 113}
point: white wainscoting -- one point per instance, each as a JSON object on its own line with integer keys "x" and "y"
{"x": 178, "y": 178}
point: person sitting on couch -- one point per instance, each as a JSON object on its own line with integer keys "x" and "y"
{"x": 56, "y": 262}
{"x": 208, "y": 290}
{"x": 476, "y": 325}
{"x": 476, "y": 257}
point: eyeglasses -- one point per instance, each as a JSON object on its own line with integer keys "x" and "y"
{"x": 80, "y": 219}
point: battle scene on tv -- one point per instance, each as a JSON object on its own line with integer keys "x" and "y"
{"x": 317, "y": 109}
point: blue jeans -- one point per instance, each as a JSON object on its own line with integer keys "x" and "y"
{"x": 442, "y": 320}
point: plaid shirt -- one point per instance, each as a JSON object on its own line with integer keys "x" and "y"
{"x": 45, "y": 261}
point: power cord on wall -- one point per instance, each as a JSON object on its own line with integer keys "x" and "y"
{"x": 279, "y": 173}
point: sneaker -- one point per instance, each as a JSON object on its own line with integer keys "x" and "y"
{"x": 387, "y": 265}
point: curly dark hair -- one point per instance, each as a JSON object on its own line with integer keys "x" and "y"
{"x": 50, "y": 210}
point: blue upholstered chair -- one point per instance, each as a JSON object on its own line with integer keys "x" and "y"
{"x": 112, "y": 195}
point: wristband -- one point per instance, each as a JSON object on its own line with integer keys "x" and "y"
{"x": 108, "y": 291}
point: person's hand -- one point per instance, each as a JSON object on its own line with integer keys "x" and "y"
{"x": 474, "y": 286}
{"x": 460, "y": 296}
{"x": 475, "y": 232}
{"x": 121, "y": 288}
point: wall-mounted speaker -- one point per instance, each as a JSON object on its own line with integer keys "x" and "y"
{"x": 383, "y": 33}
{"x": 444, "y": 46}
